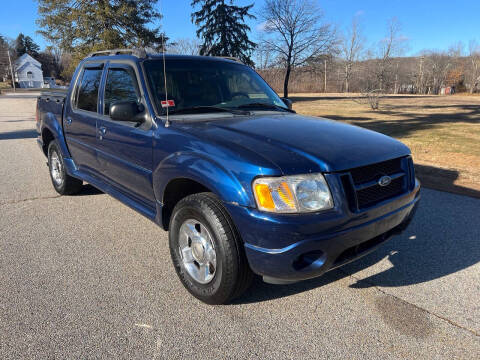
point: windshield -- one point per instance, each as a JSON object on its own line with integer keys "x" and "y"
{"x": 194, "y": 84}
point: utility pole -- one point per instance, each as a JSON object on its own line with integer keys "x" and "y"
{"x": 395, "y": 91}
{"x": 421, "y": 74}
{"x": 325, "y": 85}
{"x": 11, "y": 71}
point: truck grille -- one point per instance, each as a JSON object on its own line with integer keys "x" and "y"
{"x": 361, "y": 184}
{"x": 377, "y": 193}
{"x": 372, "y": 172}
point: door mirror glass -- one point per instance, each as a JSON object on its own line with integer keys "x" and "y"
{"x": 127, "y": 111}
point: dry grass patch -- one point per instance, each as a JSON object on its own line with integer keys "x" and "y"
{"x": 443, "y": 132}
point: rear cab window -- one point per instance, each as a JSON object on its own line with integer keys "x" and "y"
{"x": 87, "y": 89}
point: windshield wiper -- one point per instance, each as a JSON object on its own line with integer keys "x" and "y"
{"x": 207, "y": 109}
{"x": 264, "y": 106}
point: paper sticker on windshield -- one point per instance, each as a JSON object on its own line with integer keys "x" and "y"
{"x": 168, "y": 103}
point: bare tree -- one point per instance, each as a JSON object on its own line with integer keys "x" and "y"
{"x": 4, "y": 65}
{"x": 262, "y": 56}
{"x": 473, "y": 75}
{"x": 51, "y": 60}
{"x": 185, "y": 46}
{"x": 439, "y": 64}
{"x": 456, "y": 49}
{"x": 388, "y": 48}
{"x": 7, "y": 51}
{"x": 297, "y": 33}
{"x": 419, "y": 75}
{"x": 352, "y": 45}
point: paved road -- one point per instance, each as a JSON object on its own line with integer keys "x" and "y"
{"x": 86, "y": 277}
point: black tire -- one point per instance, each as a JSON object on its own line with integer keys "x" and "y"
{"x": 232, "y": 275}
{"x": 64, "y": 184}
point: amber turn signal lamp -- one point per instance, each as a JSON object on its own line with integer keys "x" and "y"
{"x": 264, "y": 197}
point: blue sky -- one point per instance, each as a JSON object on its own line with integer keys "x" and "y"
{"x": 427, "y": 24}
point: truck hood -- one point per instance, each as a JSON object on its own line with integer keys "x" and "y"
{"x": 299, "y": 144}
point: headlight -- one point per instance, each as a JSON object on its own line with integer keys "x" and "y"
{"x": 292, "y": 194}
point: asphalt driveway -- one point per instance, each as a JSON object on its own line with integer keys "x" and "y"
{"x": 86, "y": 277}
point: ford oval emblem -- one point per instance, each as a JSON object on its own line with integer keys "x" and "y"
{"x": 384, "y": 180}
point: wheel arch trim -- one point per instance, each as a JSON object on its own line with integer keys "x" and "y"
{"x": 51, "y": 124}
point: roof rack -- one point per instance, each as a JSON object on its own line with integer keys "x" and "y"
{"x": 140, "y": 53}
{"x": 230, "y": 58}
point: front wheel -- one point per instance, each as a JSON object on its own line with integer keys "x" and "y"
{"x": 63, "y": 183}
{"x": 207, "y": 251}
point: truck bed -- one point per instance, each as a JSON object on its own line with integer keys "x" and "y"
{"x": 50, "y": 103}
{"x": 53, "y": 93}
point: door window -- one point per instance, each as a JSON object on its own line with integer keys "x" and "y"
{"x": 121, "y": 85}
{"x": 88, "y": 90}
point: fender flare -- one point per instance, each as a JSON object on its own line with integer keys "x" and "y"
{"x": 205, "y": 171}
{"x": 51, "y": 123}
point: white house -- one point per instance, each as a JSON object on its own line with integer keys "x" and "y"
{"x": 28, "y": 72}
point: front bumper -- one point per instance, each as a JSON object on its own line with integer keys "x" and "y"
{"x": 288, "y": 248}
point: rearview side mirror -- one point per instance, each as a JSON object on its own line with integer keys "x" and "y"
{"x": 127, "y": 111}
{"x": 288, "y": 102}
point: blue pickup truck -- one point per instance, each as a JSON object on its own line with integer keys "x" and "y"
{"x": 206, "y": 149}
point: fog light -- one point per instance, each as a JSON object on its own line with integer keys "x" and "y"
{"x": 310, "y": 260}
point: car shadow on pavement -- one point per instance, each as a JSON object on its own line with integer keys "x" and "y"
{"x": 442, "y": 239}
{"x": 444, "y": 180}
{"x": 88, "y": 190}
{"x": 260, "y": 291}
{"x": 19, "y": 134}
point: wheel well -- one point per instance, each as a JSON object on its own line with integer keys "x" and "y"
{"x": 47, "y": 137}
{"x": 175, "y": 191}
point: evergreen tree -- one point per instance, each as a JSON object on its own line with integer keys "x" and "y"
{"x": 25, "y": 44}
{"x": 20, "y": 48}
{"x": 31, "y": 47}
{"x": 223, "y": 30}
{"x": 79, "y": 27}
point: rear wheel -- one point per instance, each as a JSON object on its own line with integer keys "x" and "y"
{"x": 207, "y": 251}
{"x": 63, "y": 183}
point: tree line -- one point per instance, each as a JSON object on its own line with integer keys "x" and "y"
{"x": 350, "y": 65}
{"x": 294, "y": 47}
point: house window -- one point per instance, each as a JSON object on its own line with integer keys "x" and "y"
{"x": 29, "y": 75}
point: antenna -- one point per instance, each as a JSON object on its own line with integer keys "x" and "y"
{"x": 167, "y": 122}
